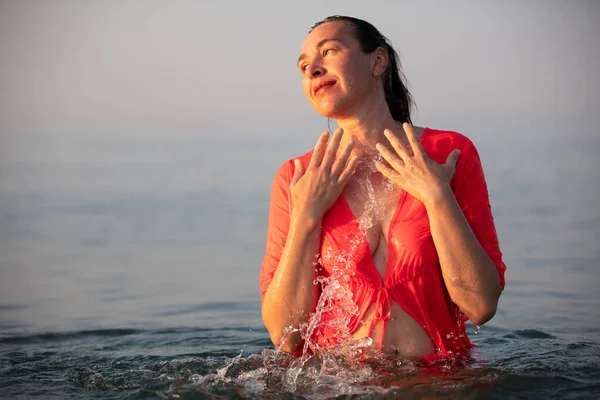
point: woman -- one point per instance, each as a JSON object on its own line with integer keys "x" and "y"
{"x": 403, "y": 209}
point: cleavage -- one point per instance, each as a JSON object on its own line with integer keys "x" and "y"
{"x": 373, "y": 200}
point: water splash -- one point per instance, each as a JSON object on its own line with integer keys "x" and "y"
{"x": 222, "y": 371}
{"x": 265, "y": 375}
{"x": 376, "y": 200}
{"x": 321, "y": 367}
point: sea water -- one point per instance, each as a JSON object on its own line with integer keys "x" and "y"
{"x": 130, "y": 269}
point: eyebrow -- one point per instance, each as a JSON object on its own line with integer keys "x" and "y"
{"x": 319, "y": 45}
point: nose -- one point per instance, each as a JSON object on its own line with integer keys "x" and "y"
{"x": 315, "y": 70}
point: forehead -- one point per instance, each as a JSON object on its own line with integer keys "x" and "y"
{"x": 330, "y": 30}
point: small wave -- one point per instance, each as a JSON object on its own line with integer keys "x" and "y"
{"x": 215, "y": 306}
{"x": 62, "y": 336}
{"x": 163, "y": 331}
{"x": 528, "y": 334}
{"x": 14, "y": 307}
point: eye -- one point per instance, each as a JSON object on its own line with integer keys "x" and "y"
{"x": 327, "y": 52}
{"x": 303, "y": 67}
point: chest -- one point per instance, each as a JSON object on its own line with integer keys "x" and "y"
{"x": 378, "y": 227}
{"x": 373, "y": 201}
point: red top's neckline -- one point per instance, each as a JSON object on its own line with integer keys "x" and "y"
{"x": 395, "y": 214}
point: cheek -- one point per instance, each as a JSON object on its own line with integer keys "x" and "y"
{"x": 306, "y": 87}
{"x": 352, "y": 77}
{"x": 358, "y": 78}
{"x": 353, "y": 73}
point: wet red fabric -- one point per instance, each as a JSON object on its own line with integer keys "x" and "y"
{"x": 413, "y": 275}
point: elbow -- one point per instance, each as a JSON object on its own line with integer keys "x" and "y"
{"x": 486, "y": 310}
{"x": 484, "y": 313}
{"x": 481, "y": 319}
{"x": 282, "y": 339}
{"x": 291, "y": 342}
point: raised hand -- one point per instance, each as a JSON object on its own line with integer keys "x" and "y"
{"x": 411, "y": 168}
{"x": 315, "y": 190}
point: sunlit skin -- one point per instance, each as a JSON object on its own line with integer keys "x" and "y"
{"x": 342, "y": 82}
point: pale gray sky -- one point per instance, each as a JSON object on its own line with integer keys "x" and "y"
{"x": 228, "y": 68}
{"x": 86, "y": 86}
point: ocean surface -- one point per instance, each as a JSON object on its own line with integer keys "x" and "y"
{"x": 129, "y": 270}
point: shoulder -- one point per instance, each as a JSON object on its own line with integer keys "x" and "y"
{"x": 439, "y": 143}
{"x": 304, "y": 158}
{"x": 286, "y": 170}
{"x": 442, "y": 139}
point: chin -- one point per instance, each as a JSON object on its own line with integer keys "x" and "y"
{"x": 327, "y": 114}
{"x": 329, "y": 109}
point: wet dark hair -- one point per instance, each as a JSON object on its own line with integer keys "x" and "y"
{"x": 398, "y": 98}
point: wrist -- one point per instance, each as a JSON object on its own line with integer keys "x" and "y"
{"x": 440, "y": 195}
{"x": 305, "y": 220}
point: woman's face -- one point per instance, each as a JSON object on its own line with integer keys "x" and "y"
{"x": 336, "y": 74}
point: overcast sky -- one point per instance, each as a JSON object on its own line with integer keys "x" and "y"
{"x": 210, "y": 68}
{"x": 87, "y": 85}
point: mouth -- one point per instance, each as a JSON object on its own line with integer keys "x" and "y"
{"x": 322, "y": 86}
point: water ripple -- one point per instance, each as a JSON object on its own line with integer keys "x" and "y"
{"x": 528, "y": 334}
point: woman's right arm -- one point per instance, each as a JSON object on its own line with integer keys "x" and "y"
{"x": 291, "y": 295}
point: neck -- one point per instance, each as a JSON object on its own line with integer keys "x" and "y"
{"x": 366, "y": 125}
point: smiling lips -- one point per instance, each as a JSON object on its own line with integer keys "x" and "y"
{"x": 322, "y": 85}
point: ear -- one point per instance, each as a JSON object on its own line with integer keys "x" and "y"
{"x": 381, "y": 60}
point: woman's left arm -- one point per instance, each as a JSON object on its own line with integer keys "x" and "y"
{"x": 470, "y": 275}
{"x": 461, "y": 222}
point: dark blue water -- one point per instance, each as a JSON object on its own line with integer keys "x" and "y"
{"x": 129, "y": 269}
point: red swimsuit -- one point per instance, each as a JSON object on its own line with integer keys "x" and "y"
{"x": 413, "y": 276}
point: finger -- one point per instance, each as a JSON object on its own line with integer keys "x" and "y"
{"x": 332, "y": 148}
{"x": 414, "y": 141}
{"x": 389, "y": 172}
{"x": 342, "y": 159}
{"x": 396, "y": 162}
{"x": 317, "y": 155}
{"x": 298, "y": 172}
{"x": 348, "y": 170}
{"x": 452, "y": 158}
{"x": 400, "y": 149}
